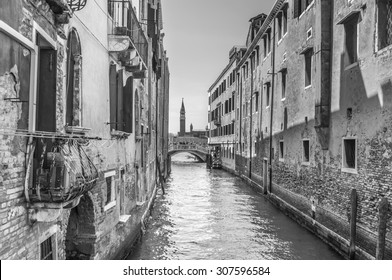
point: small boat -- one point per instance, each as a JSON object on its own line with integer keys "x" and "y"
{"x": 216, "y": 159}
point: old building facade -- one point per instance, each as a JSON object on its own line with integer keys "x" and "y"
{"x": 221, "y": 110}
{"x": 82, "y": 86}
{"x": 313, "y": 118}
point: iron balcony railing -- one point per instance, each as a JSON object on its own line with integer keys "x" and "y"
{"x": 125, "y": 22}
{"x": 58, "y": 170}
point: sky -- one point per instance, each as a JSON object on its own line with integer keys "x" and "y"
{"x": 198, "y": 37}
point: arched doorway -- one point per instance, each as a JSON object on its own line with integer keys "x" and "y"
{"x": 81, "y": 230}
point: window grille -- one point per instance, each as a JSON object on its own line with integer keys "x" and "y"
{"x": 389, "y": 23}
{"x": 386, "y": 35}
{"x": 77, "y": 5}
{"x": 46, "y": 249}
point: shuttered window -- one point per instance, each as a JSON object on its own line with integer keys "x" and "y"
{"x": 121, "y": 101}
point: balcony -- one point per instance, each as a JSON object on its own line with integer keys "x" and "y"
{"x": 58, "y": 173}
{"x": 127, "y": 38}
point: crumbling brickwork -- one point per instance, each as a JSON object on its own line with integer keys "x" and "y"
{"x": 341, "y": 102}
{"x": 104, "y": 219}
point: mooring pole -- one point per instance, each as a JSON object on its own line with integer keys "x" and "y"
{"x": 382, "y": 228}
{"x": 353, "y": 223}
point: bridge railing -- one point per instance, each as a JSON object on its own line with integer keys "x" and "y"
{"x": 187, "y": 147}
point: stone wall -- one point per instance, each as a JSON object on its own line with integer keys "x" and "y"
{"x": 360, "y": 107}
{"x": 94, "y": 229}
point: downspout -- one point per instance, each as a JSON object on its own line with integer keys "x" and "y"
{"x": 239, "y": 86}
{"x": 251, "y": 118}
{"x": 272, "y": 106}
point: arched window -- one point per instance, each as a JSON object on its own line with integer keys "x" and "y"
{"x": 74, "y": 80}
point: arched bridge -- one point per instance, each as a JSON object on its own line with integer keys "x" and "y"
{"x": 195, "y": 149}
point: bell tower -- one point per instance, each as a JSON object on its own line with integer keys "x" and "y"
{"x": 182, "y": 119}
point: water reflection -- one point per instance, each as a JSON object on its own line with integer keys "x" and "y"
{"x": 213, "y": 215}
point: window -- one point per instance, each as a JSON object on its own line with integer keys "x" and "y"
{"x": 46, "y": 250}
{"x": 256, "y": 101}
{"x": 269, "y": 41}
{"x": 281, "y": 149}
{"x": 309, "y": 33}
{"x": 280, "y": 25}
{"x": 308, "y": 67}
{"x": 285, "y": 120}
{"x": 284, "y": 80}
{"x": 351, "y": 40}
{"x": 306, "y": 151}
{"x": 267, "y": 94}
{"x": 121, "y": 99}
{"x": 284, "y": 21}
{"x": 73, "y": 86}
{"x": 349, "y": 157}
{"x": 384, "y": 23}
{"x": 265, "y": 40}
{"x": 253, "y": 61}
{"x": 300, "y": 6}
{"x": 110, "y": 190}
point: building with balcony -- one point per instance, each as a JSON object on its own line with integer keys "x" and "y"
{"x": 82, "y": 87}
{"x": 314, "y": 113}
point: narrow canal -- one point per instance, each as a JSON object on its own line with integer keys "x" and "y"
{"x": 213, "y": 215}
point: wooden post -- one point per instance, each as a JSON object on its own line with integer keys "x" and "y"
{"x": 353, "y": 223}
{"x": 382, "y": 228}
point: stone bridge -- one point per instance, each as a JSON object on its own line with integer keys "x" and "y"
{"x": 195, "y": 149}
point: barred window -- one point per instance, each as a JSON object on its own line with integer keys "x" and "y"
{"x": 384, "y": 23}
{"x": 46, "y": 249}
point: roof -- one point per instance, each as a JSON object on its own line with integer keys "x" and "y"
{"x": 271, "y": 16}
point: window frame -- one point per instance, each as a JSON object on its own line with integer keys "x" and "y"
{"x": 281, "y": 151}
{"x": 351, "y": 52}
{"x": 113, "y": 199}
{"x": 304, "y": 161}
{"x": 308, "y": 59}
{"x": 267, "y": 86}
{"x": 50, "y": 233}
{"x": 283, "y": 84}
{"x": 344, "y": 168}
{"x": 381, "y": 24}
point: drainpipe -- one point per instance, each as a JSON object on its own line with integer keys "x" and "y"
{"x": 251, "y": 118}
{"x": 272, "y": 105}
{"x": 239, "y": 86}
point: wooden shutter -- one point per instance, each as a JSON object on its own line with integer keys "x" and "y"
{"x": 46, "y": 111}
{"x": 151, "y": 21}
{"x": 113, "y": 96}
{"x": 120, "y": 111}
{"x": 128, "y": 106}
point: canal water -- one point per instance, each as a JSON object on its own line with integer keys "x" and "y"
{"x": 213, "y": 215}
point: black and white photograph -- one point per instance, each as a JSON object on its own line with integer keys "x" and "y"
{"x": 235, "y": 134}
